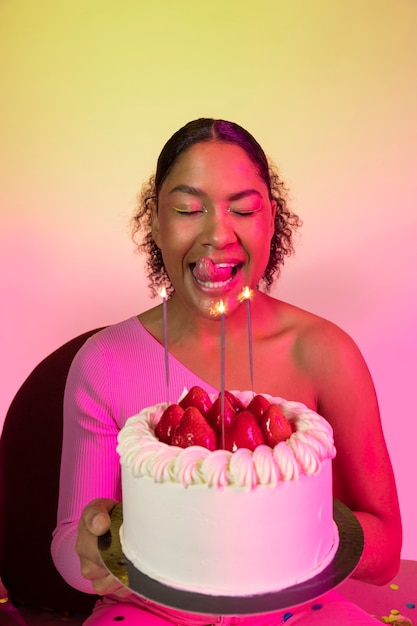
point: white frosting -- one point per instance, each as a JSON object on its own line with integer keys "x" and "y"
{"x": 227, "y": 523}
{"x": 302, "y": 453}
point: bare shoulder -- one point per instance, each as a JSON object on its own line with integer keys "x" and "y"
{"x": 333, "y": 362}
{"x": 318, "y": 341}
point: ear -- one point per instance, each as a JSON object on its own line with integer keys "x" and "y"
{"x": 155, "y": 222}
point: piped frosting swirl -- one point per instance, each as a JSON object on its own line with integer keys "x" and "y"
{"x": 309, "y": 445}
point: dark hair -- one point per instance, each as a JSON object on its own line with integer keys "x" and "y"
{"x": 207, "y": 129}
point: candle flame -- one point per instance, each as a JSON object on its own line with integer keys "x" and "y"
{"x": 218, "y": 309}
{"x": 245, "y": 294}
{"x": 162, "y": 293}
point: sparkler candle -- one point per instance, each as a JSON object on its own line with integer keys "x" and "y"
{"x": 246, "y": 294}
{"x": 163, "y": 294}
{"x": 220, "y": 309}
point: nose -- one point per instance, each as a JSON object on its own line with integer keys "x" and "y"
{"x": 218, "y": 229}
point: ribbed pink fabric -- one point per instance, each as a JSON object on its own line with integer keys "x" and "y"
{"x": 117, "y": 372}
{"x": 331, "y": 609}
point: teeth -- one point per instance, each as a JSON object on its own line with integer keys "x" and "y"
{"x": 211, "y": 285}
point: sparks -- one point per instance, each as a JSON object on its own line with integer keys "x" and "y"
{"x": 245, "y": 294}
{"x": 218, "y": 309}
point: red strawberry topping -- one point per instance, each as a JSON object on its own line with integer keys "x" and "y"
{"x": 274, "y": 425}
{"x": 193, "y": 430}
{"x": 258, "y": 405}
{"x": 235, "y": 402}
{"x": 168, "y": 421}
{"x": 243, "y": 433}
{"x": 197, "y": 398}
{"x": 197, "y": 421}
{"x": 214, "y": 414}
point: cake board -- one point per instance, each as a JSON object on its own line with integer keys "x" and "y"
{"x": 341, "y": 567}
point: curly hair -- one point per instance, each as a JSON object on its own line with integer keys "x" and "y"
{"x": 201, "y": 130}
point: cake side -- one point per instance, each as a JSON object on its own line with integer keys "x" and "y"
{"x": 231, "y": 541}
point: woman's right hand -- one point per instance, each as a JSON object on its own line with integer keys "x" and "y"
{"x": 94, "y": 522}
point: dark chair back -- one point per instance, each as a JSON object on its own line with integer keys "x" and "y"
{"x": 30, "y": 452}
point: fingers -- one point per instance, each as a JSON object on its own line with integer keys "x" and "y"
{"x": 96, "y": 516}
{"x": 95, "y": 521}
{"x": 93, "y": 569}
{"x": 109, "y": 585}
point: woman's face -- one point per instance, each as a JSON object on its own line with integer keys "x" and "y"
{"x": 214, "y": 224}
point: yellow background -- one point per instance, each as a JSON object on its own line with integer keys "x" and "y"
{"x": 91, "y": 89}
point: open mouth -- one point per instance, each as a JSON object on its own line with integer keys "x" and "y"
{"x": 214, "y": 275}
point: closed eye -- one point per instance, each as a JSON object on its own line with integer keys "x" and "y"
{"x": 190, "y": 210}
{"x": 242, "y": 212}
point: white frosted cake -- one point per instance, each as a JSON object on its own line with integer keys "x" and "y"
{"x": 229, "y": 523}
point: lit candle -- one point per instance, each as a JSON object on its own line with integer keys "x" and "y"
{"x": 246, "y": 295}
{"x": 220, "y": 309}
{"x": 163, "y": 294}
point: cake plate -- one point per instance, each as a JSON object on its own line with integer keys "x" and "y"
{"x": 341, "y": 567}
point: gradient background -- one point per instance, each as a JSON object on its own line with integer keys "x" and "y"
{"x": 91, "y": 89}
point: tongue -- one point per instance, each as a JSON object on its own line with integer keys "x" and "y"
{"x": 207, "y": 271}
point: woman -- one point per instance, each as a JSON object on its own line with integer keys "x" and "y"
{"x": 214, "y": 219}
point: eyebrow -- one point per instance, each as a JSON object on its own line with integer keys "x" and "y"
{"x": 195, "y": 191}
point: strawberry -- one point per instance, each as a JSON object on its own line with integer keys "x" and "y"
{"x": 257, "y": 406}
{"x": 197, "y": 398}
{"x": 274, "y": 425}
{"x": 168, "y": 421}
{"x": 243, "y": 433}
{"x": 235, "y": 402}
{"x": 214, "y": 414}
{"x": 193, "y": 430}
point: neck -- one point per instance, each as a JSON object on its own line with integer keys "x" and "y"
{"x": 183, "y": 323}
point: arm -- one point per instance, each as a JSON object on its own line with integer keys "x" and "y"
{"x": 363, "y": 475}
{"x": 89, "y": 469}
